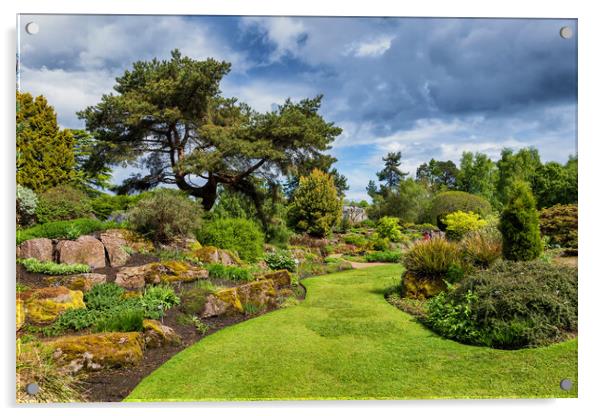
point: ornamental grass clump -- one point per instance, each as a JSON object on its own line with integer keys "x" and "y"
{"x": 432, "y": 259}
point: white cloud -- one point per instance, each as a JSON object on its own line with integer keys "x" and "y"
{"x": 370, "y": 48}
{"x": 264, "y": 95}
{"x": 283, "y": 32}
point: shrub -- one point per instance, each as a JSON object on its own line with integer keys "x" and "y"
{"x": 432, "y": 258}
{"x": 519, "y": 225}
{"x": 103, "y": 296}
{"x": 157, "y": 299}
{"x": 237, "y": 234}
{"x": 459, "y": 223}
{"x": 451, "y": 201}
{"x": 62, "y": 203}
{"x": 383, "y": 257}
{"x": 219, "y": 271}
{"x": 512, "y": 305}
{"x": 316, "y": 207}
{"x": 64, "y": 229}
{"x": 164, "y": 215}
{"x": 27, "y": 201}
{"x": 388, "y": 227}
{"x": 281, "y": 259}
{"x": 560, "y": 224}
{"x": 105, "y": 205}
{"x": 482, "y": 248}
{"x": 357, "y": 240}
{"x": 48, "y": 267}
{"x": 378, "y": 243}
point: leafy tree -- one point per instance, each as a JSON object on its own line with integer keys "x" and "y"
{"x": 316, "y": 206}
{"x": 477, "y": 175}
{"x": 451, "y": 201}
{"x": 519, "y": 225}
{"x": 91, "y": 174}
{"x": 169, "y": 117}
{"x": 409, "y": 202}
{"x": 554, "y": 183}
{"x": 391, "y": 175}
{"x": 45, "y": 156}
{"x": 438, "y": 175}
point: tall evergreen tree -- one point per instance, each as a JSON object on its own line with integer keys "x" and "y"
{"x": 519, "y": 224}
{"x": 45, "y": 153}
{"x": 391, "y": 175}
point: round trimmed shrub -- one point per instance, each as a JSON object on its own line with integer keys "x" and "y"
{"x": 388, "y": 227}
{"x": 164, "y": 215}
{"x": 560, "y": 224}
{"x": 62, "y": 203}
{"x": 460, "y": 223}
{"x": 512, "y": 305}
{"x": 237, "y": 234}
{"x": 451, "y": 201}
{"x": 519, "y": 225}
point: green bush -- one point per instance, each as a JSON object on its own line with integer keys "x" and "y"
{"x": 165, "y": 214}
{"x": 237, "y": 234}
{"x": 105, "y": 205}
{"x": 27, "y": 201}
{"x": 48, "y": 267}
{"x": 460, "y": 223}
{"x": 383, "y": 257}
{"x": 62, "y": 203}
{"x": 519, "y": 225}
{"x": 451, "y": 201}
{"x": 482, "y": 248}
{"x": 316, "y": 206}
{"x": 512, "y": 305}
{"x": 281, "y": 259}
{"x": 157, "y": 299}
{"x": 121, "y": 320}
{"x": 64, "y": 229}
{"x": 103, "y": 296}
{"x": 219, "y": 271}
{"x": 388, "y": 227}
{"x": 560, "y": 224}
{"x": 357, "y": 240}
{"x": 432, "y": 259}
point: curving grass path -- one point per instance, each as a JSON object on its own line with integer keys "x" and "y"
{"x": 346, "y": 342}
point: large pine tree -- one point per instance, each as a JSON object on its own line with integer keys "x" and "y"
{"x": 45, "y": 153}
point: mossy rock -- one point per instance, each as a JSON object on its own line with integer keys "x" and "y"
{"x": 211, "y": 254}
{"x": 20, "y": 314}
{"x": 98, "y": 351}
{"x": 44, "y": 305}
{"x": 259, "y": 293}
{"x": 83, "y": 282}
{"x": 230, "y": 297}
{"x": 418, "y": 287}
{"x": 157, "y": 335}
{"x": 281, "y": 278}
{"x": 135, "y": 241}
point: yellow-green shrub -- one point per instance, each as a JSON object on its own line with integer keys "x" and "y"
{"x": 460, "y": 223}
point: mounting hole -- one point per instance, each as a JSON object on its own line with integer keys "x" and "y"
{"x": 566, "y": 384}
{"x": 32, "y": 28}
{"x": 566, "y": 32}
{"x": 32, "y": 389}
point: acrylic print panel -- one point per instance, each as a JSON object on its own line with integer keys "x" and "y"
{"x": 218, "y": 208}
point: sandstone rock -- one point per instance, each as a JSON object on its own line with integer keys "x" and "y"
{"x": 115, "y": 244}
{"x": 85, "y": 250}
{"x": 83, "y": 282}
{"x": 281, "y": 278}
{"x": 134, "y": 240}
{"x": 260, "y": 293}
{"x": 154, "y": 273}
{"x": 131, "y": 278}
{"x": 98, "y": 351}
{"x": 37, "y": 248}
{"x": 157, "y": 335}
{"x": 20, "y": 314}
{"x": 421, "y": 288}
{"x": 46, "y": 304}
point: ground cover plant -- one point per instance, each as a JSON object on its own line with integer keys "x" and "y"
{"x": 383, "y": 257}
{"x": 345, "y": 315}
{"x": 51, "y": 268}
{"x": 234, "y": 273}
{"x": 64, "y": 229}
{"x": 237, "y": 234}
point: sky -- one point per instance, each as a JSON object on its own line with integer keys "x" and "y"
{"x": 429, "y": 88}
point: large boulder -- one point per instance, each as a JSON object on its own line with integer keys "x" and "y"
{"x": 157, "y": 335}
{"x": 210, "y": 254}
{"x": 37, "y": 248}
{"x": 98, "y": 351}
{"x": 260, "y": 293}
{"x": 83, "y": 282}
{"x": 281, "y": 278}
{"x": 85, "y": 250}
{"x": 46, "y": 304}
{"x": 136, "y": 277}
{"x": 417, "y": 287}
{"x": 134, "y": 240}
{"x": 115, "y": 246}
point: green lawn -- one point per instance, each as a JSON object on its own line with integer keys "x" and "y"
{"x": 346, "y": 342}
